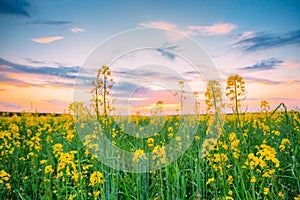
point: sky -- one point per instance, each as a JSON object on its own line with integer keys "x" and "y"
{"x": 46, "y": 48}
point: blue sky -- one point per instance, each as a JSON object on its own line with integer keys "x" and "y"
{"x": 44, "y": 43}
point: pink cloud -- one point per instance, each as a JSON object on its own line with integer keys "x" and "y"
{"x": 158, "y": 24}
{"x": 47, "y": 39}
{"x": 290, "y": 64}
{"x": 246, "y": 35}
{"x": 215, "y": 29}
{"x": 77, "y": 30}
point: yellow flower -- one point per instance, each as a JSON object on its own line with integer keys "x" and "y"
{"x": 210, "y": 180}
{"x": 266, "y": 191}
{"x": 283, "y": 143}
{"x": 86, "y": 167}
{"x": 160, "y": 154}
{"x": 8, "y": 186}
{"x": 57, "y": 148}
{"x": 156, "y": 134}
{"x": 178, "y": 138}
{"x": 230, "y": 179}
{"x": 73, "y": 152}
{"x": 253, "y": 179}
{"x": 297, "y": 197}
{"x": 72, "y": 196}
{"x": 235, "y": 86}
{"x": 266, "y": 175}
{"x": 150, "y": 142}
{"x": 96, "y": 193}
{"x": 170, "y": 135}
{"x": 234, "y": 144}
{"x": 213, "y": 96}
{"x": 4, "y": 175}
{"x": 86, "y": 152}
{"x": 232, "y": 136}
{"x": 223, "y": 145}
{"x": 43, "y": 162}
{"x": 281, "y": 195}
{"x": 49, "y": 169}
{"x": 96, "y": 178}
{"x": 277, "y": 133}
{"x": 139, "y": 154}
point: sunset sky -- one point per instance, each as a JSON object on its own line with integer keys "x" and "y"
{"x": 44, "y": 45}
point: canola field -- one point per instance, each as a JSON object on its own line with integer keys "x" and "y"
{"x": 42, "y": 157}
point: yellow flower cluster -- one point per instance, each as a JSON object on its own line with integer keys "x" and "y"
{"x": 210, "y": 180}
{"x": 213, "y": 96}
{"x": 49, "y": 169}
{"x": 4, "y": 176}
{"x": 265, "y": 153}
{"x": 235, "y": 86}
{"x": 170, "y": 132}
{"x": 150, "y": 142}
{"x": 159, "y": 154}
{"x": 285, "y": 143}
{"x": 96, "y": 178}
{"x": 234, "y": 143}
{"x": 138, "y": 155}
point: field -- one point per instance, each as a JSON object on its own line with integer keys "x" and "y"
{"x": 199, "y": 156}
{"x": 43, "y": 157}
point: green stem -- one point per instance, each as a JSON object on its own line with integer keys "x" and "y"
{"x": 236, "y": 105}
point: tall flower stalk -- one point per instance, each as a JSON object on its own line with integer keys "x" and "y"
{"x": 236, "y": 92}
{"x": 101, "y": 90}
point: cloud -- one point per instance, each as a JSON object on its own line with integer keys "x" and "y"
{"x": 166, "y": 51}
{"x": 33, "y": 61}
{"x": 132, "y": 94}
{"x": 48, "y": 22}
{"x": 158, "y": 24}
{"x": 245, "y": 35}
{"x": 273, "y": 99}
{"x": 290, "y": 64}
{"x": 268, "y": 64}
{"x": 47, "y": 39}
{"x": 263, "y": 41}
{"x": 262, "y": 81}
{"x": 9, "y": 105}
{"x": 7, "y": 66}
{"x": 26, "y": 76}
{"x": 147, "y": 74}
{"x": 56, "y": 102}
{"x": 77, "y": 30}
{"x": 5, "y": 78}
{"x": 14, "y": 7}
{"x": 215, "y": 29}
{"x": 126, "y": 87}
